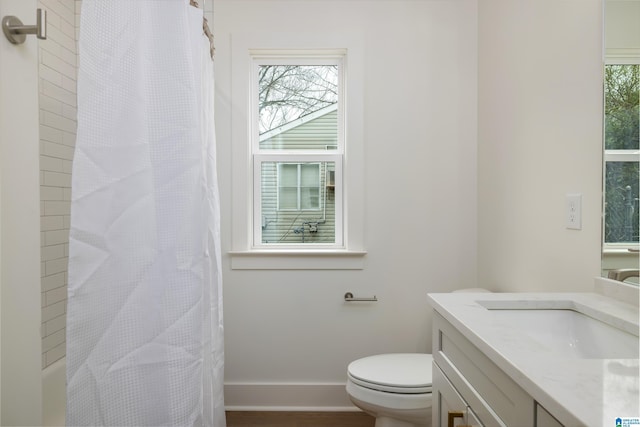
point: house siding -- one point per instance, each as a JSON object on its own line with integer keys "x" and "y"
{"x": 278, "y": 225}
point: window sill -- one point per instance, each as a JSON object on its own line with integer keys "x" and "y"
{"x": 286, "y": 259}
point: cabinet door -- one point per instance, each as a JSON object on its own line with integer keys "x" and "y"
{"x": 449, "y": 408}
{"x": 544, "y": 419}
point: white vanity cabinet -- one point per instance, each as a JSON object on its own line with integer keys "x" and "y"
{"x": 466, "y": 381}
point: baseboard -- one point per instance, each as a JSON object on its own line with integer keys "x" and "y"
{"x": 287, "y": 397}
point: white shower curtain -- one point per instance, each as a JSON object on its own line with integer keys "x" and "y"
{"x": 144, "y": 315}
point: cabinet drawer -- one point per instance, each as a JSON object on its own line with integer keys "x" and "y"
{"x": 496, "y": 399}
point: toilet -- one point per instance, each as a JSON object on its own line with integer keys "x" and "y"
{"x": 395, "y": 388}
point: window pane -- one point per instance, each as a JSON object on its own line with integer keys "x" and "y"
{"x": 621, "y": 202}
{"x": 310, "y": 186}
{"x": 298, "y": 106}
{"x": 288, "y": 175}
{"x": 622, "y": 114}
{"x": 299, "y": 213}
{"x": 288, "y": 198}
{"x": 310, "y": 175}
{"x": 310, "y": 198}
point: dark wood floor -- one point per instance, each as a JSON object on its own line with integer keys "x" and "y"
{"x": 299, "y": 419}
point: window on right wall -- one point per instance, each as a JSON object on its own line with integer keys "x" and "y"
{"x": 621, "y": 156}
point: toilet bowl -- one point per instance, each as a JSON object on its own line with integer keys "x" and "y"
{"x": 394, "y": 388}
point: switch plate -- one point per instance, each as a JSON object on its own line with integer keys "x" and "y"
{"x": 574, "y": 211}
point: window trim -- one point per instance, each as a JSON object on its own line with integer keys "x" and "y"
{"x": 242, "y": 255}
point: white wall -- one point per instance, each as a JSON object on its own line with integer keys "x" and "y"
{"x": 539, "y": 137}
{"x": 20, "y": 380}
{"x": 420, "y": 223}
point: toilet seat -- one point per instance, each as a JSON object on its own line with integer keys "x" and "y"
{"x": 400, "y": 373}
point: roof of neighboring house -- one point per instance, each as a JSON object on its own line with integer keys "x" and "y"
{"x": 298, "y": 122}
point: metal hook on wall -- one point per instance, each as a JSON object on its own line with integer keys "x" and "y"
{"x": 16, "y": 32}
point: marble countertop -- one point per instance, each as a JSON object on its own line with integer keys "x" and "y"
{"x": 577, "y": 391}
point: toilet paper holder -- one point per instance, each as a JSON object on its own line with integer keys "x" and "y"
{"x": 350, "y": 298}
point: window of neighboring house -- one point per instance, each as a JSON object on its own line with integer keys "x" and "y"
{"x": 298, "y": 186}
{"x": 622, "y": 155}
{"x": 297, "y": 148}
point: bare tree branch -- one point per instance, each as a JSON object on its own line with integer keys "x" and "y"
{"x": 288, "y": 92}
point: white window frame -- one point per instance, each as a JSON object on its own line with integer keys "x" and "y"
{"x": 260, "y": 155}
{"x": 632, "y": 155}
{"x": 244, "y": 254}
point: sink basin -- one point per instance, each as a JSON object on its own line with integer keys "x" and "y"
{"x": 568, "y": 333}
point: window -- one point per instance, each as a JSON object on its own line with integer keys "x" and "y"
{"x": 298, "y": 186}
{"x": 329, "y": 214}
{"x": 621, "y": 156}
{"x": 297, "y": 146}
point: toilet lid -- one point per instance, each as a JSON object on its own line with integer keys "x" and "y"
{"x": 397, "y": 373}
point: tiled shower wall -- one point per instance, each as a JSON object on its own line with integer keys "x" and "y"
{"x": 57, "y": 92}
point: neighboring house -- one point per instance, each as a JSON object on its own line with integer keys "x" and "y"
{"x": 298, "y": 198}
